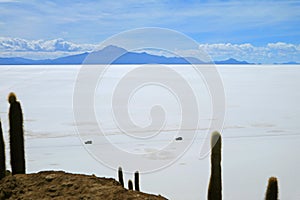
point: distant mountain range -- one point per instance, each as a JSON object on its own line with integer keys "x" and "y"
{"x": 231, "y": 61}
{"x": 114, "y": 55}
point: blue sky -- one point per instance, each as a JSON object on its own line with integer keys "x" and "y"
{"x": 215, "y": 24}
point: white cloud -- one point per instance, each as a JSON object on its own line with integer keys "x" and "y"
{"x": 17, "y": 44}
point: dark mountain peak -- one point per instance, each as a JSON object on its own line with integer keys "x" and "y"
{"x": 231, "y": 61}
{"x": 105, "y": 55}
{"x": 113, "y": 49}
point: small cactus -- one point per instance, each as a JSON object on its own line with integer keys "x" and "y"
{"x": 130, "y": 185}
{"x": 120, "y": 175}
{"x": 16, "y": 134}
{"x": 272, "y": 190}
{"x": 2, "y": 154}
{"x": 215, "y": 184}
{"x": 136, "y": 181}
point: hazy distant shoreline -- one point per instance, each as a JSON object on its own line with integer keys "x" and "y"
{"x": 116, "y": 55}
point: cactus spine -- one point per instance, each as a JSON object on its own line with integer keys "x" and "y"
{"x": 215, "y": 184}
{"x": 272, "y": 190}
{"x": 16, "y": 134}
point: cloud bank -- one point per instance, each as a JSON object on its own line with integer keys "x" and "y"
{"x": 17, "y": 44}
{"x": 36, "y": 49}
{"x": 41, "y": 49}
{"x": 270, "y": 53}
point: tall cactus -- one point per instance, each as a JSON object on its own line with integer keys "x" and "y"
{"x": 130, "y": 185}
{"x": 16, "y": 134}
{"x": 2, "y": 154}
{"x": 120, "y": 175}
{"x": 272, "y": 190}
{"x": 137, "y": 181}
{"x": 215, "y": 184}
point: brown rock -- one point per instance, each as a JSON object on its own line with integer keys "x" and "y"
{"x": 50, "y": 177}
{"x": 59, "y": 185}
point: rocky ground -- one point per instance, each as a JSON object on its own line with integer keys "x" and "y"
{"x": 60, "y": 185}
